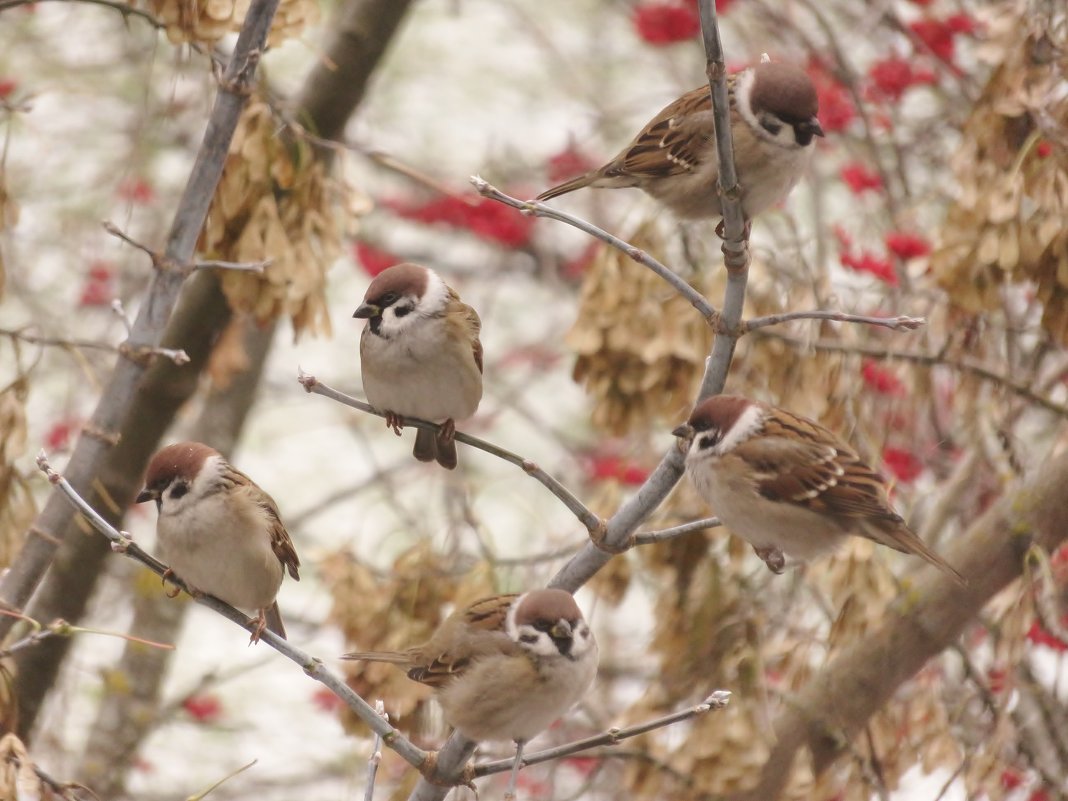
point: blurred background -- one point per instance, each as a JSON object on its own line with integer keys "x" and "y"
{"x": 940, "y": 191}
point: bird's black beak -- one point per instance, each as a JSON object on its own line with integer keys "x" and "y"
{"x": 562, "y": 634}
{"x": 685, "y": 431}
{"x": 812, "y": 127}
{"x": 147, "y": 495}
{"x": 367, "y": 311}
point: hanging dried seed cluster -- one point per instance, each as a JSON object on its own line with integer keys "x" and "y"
{"x": 207, "y": 21}
{"x": 17, "y": 508}
{"x": 392, "y": 615}
{"x": 275, "y": 201}
{"x": 1010, "y": 223}
{"x": 641, "y": 346}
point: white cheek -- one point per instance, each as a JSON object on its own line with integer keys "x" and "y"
{"x": 392, "y": 325}
{"x": 542, "y": 646}
{"x": 786, "y": 137}
{"x": 436, "y": 295}
{"x": 747, "y": 424}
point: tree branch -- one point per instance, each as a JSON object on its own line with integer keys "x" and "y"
{"x": 964, "y": 365}
{"x": 735, "y": 244}
{"x": 121, "y": 543}
{"x": 36, "y": 555}
{"x": 593, "y": 523}
{"x": 900, "y": 323}
{"x": 717, "y": 700}
{"x": 829, "y": 712}
{"x": 653, "y": 537}
{"x": 537, "y": 209}
{"x": 123, "y": 8}
{"x": 584, "y": 565}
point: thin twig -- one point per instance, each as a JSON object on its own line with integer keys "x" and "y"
{"x": 61, "y": 628}
{"x": 928, "y": 359}
{"x": 117, "y": 232}
{"x": 653, "y": 537}
{"x": 900, "y": 323}
{"x": 717, "y": 700}
{"x": 312, "y": 666}
{"x": 537, "y": 209}
{"x": 238, "y": 266}
{"x": 376, "y": 755}
{"x": 593, "y": 523}
{"x": 223, "y": 780}
{"x": 123, "y": 8}
{"x": 24, "y": 574}
{"x": 160, "y": 262}
{"x": 57, "y": 342}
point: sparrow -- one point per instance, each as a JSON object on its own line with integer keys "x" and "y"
{"x": 420, "y": 356}
{"x": 787, "y": 485}
{"x": 773, "y": 111}
{"x": 506, "y": 667}
{"x": 219, "y": 532}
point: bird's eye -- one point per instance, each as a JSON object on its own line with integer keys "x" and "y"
{"x": 771, "y": 125}
{"x": 388, "y": 299}
{"x": 178, "y": 490}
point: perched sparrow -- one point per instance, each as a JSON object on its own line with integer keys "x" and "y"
{"x": 788, "y": 485}
{"x": 506, "y": 667}
{"x": 219, "y": 532}
{"x": 773, "y": 119}
{"x": 421, "y": 356}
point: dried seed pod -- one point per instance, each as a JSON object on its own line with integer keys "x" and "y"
{"x": 640, "y": 345}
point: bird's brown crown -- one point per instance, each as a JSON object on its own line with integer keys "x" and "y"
{"x": 720, "y": 412}
{"x": 784, "y": 90}
{"x": 400, "y": 279}
{"x": 180, "y": 459}
{"x": 547, "y": 605}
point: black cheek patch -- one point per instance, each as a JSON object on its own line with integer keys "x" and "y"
{"x": 178, "y": 490}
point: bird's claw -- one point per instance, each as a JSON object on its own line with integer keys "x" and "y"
{"x": 446, "y": 431}
{"x": 395, "y": 422}
{"x": 169, "y": 574}
{"x": 773, "y": 558}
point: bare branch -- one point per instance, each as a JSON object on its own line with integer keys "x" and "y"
{"x": 61, "y": 628}
{"x": 826, "y": 715}
{"x": 34, "y": 558}
{"x": 653, "y": 537}
{"x": 717, "y": 700}
{"x": 239, "y": 266}
{"x": 376, "y": 755}
{"x": 222, "y": 781}
{"x": 125, "y": 9}
{"x": 619, "y": 528}
{"x": 117, "y": 232}
{"x": 58, "y": 342}
{"x": 964, "y": 365}
{"x": 735, "y": 236}
{"x": 594, "y": 524}
{"x": 900, "y": 323}
{"x": 537, "y": 209}
{"x": 160, "y": 262}
{"x": 312, "y": 666}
